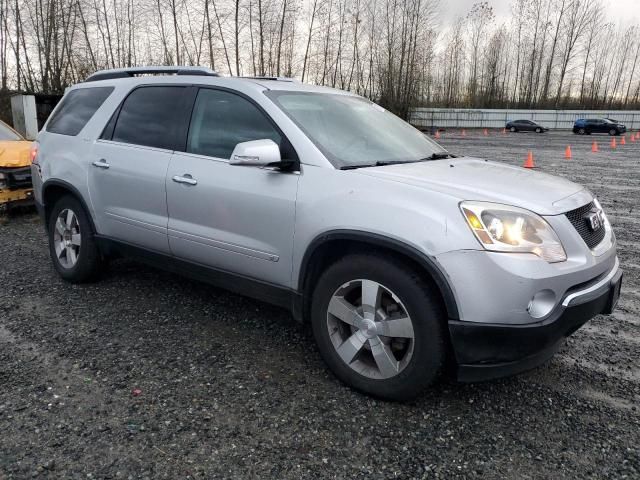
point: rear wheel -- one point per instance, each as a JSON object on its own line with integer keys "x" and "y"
{"x": 581, "y": 131}
{"x": 72, "y": 245}
{"x": 378, "y": 326}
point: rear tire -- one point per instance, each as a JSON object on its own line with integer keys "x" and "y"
{"x": 72, "y": 246}
{"x": 395, "y": 366}
{"x": 582, "y": 131}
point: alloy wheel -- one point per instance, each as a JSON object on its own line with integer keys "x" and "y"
{"x": 370, "y": 329}
{"x": 67, "y": 239}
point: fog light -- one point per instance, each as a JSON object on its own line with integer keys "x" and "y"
{"x": 542, "y": 303}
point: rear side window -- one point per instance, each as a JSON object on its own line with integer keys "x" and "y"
{"x": 152, "y": 117}
{"x": 76, "y": 109}
{"x": 221, "y": 120}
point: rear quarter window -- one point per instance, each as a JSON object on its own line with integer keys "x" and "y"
{"x": 76, "y": 109}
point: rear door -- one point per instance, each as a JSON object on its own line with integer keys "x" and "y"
{"x": 234, "y": 218}
{"x": 130, "y": 161}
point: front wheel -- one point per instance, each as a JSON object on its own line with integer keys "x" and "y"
{"x": 513, "y": 129}
{"x": 378, "y": 326}
{"x": 538, "y": 130}
{"x": 613, "y": 132}
{"x": 582, "y": 131}
{"x": 72, "y": 245}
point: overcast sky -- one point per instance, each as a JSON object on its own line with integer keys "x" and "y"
{"x": 624, "y": 11}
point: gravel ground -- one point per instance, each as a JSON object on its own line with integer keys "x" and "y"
{"x": 148, "y": 375}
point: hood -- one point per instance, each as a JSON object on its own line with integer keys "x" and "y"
{"x": 15, "y": 153}
{"x": 476, "y": 179}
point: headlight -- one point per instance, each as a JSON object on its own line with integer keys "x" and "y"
{"x": 502, "y": 228}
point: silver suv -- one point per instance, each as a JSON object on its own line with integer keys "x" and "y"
{"x": 407, "y": 261}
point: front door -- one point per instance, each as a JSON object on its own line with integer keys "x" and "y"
{"x": 234, "y": 218}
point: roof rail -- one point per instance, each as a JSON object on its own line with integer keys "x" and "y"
{"x": 279, "y": 79}
{"x": 163, "y": 70}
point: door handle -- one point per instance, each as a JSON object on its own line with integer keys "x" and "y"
{"x": 102, "y": 163}
{"x": 186, "y": 179}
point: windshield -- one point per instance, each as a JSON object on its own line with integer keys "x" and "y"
{"x": 351, "y": 131}
{"x": 7, "y": 134}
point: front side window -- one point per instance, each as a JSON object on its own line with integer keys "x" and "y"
{"x": 221, "y": 120}
{"x": 76, "y": 109}
{"x": 151, "y": 117}
{"x": 354, "y": 132}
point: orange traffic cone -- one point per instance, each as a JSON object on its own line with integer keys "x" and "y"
{"x": 633, "y": 137}
{"x": 623, "y": 141}
{"x": 594, "y": 147}
{"x": 464, "y": 132}
{"x": 613, "y": 143}
{"x": 529, "y": 161}
{"x": 437, "y": 134}
{"x": 504, "y": 131}
{"x": 567, "y": 152}
{"x": 485, "y": 132}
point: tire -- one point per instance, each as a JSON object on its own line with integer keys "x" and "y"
{"x": 581, "y": 131}
{"x": 76, "y": 235}
{"x": 513, "y": 129}
{"x": 538, "y": 130}
{"x": 416, "y": 361}
{"x": 613, "y": 132}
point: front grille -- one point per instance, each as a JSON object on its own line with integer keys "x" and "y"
{"x": 578, "y": 219}
{"x": 17, "y": 178}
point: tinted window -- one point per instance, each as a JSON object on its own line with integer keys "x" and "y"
{"x": 151, "y": 116}
{"x": 76, "y": 109}
{"x": 221, "y": 120}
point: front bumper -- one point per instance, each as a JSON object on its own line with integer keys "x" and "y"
{"x": 13, "y": 198}
{"x": 17, "y": 188}
{"x": 485, "y": 351}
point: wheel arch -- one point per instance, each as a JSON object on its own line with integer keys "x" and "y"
{"x": 54, "y": 189}
{"x": 332, "y": 245}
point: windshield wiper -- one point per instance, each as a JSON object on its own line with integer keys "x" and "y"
{"x": 384, "y": 163}
{"x": 439, "y": 156}
{"x": 377, "y": 164}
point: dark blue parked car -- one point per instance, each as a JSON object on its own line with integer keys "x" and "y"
{"x": 587, "y": 126}
{"x": 525, "y": 126}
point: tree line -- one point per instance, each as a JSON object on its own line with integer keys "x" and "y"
{"x": 547, "y": 54}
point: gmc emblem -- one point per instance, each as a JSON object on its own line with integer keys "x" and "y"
{"x": 594, "y": 220}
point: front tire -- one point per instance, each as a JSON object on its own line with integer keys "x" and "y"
{"x": 613, "y": 132}
{"x": 513, "y": 129}
{"x": 379, "y": 326}
{"x": 538, "y": 130}
{"x": 582, "y": 131}
{"x": 72, "y": 245}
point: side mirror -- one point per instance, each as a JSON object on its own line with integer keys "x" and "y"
{"x": 257, "y": 153}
